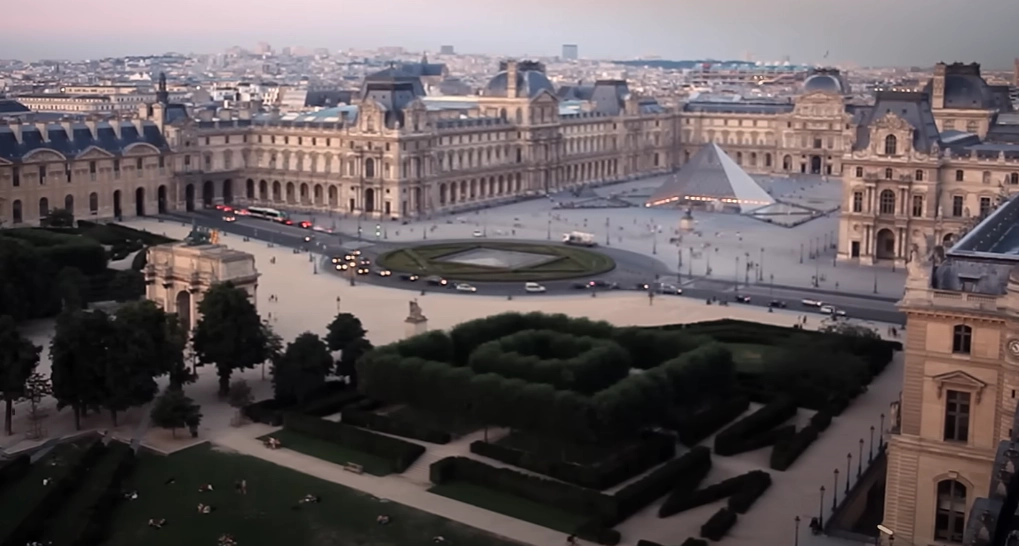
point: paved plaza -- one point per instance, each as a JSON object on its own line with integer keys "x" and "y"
{"x": 307, "y": 302}
{"x": 717, "y": 251}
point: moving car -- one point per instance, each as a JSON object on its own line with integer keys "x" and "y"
{"x": 308, "y": 238}
{"x": 603, "y": 284}
{"x": 338, "y": 259}
{"x": 304, "y": 224}
{"x": 435, "y": 280}
{"x": 409, "y": 278}
{"x": 778, "y": 304}
{"x": 807, "y": 302}
{"x": 229, "y": 218}
{"x": 363, "y": 271}
{"x": 533, "y": 288}
{"x": 385, "y": 273}
{"x": 579, "y": 286}
{"x": 224, "y": 208}
{"x": 477, "y": 233}
{"x": 832, "y": 310}
{"x": 365, "y": 261}
{"x": 342, "y": 267}
{"x": 464, "y": 287}
{"x": 740, "y": 298}
{"x": 670, "y": 289}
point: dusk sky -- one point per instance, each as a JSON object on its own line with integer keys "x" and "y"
{"x": 867, "y": 32}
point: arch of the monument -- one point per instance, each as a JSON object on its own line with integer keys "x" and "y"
{"x": 182, "y": 305}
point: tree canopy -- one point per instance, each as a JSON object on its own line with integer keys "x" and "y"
{"x": 173, "y": 410}
{"x": 301, "y": 368}
{"x": 78, "y": 352}
{"x": 229, "y": 334}
{"x": 346, "y": 334}
{"x": 18, "y": 359}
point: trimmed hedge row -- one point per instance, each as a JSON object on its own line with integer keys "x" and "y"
{"x": 398, "y": 453}
{"x": 719, "y": 524}
{"x": 741, "y": 491}
{"x": 785, "y": 452}
{"x": 65, "y": 480}
{"x": 93, "y": 524}
{"x": 639, "y": 494}
{"x": 330, "y": 398}
{"x": 691, "y": 541}
{"x": 694, "y": 428}
{"x": 757, "y": 430}
{"x": 653, "y": 449}
{"x": 396, "y": 427}
{"x": 565, "y": 496}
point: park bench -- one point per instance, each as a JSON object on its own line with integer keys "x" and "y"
{"x": 354, "y": 467}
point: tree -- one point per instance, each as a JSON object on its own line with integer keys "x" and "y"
{"x": 174, "y": 410}
{"x": 26, "y": 281}
{"x": 164, "y": 336}
{"x": 274, "y": 345}
{"x": 36, "y": 388}
{"x": 131, "y": 365}
{"x": 229, "y": 334}
{"x": 127, "y": 285}
{"x": 59, "y": 218}
{"x": 353, "y": 352}
{"x": 239, "y": 395}
{"x": 18, "y": 359}
{"x": 343, "y": 330}
{"x": 78, "y": 352}
{"x": 73, "y": 288}
{"x": 302, "y": 368}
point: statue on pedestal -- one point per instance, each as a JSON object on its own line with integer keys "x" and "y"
{"x": 416, "y": 321}
{"x": 415, "y": 312}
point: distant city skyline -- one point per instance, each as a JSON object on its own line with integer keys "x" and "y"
{"x": 872, "y": 32}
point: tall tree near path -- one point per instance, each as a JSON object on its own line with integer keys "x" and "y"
{"x": 302, "y": 368}
{"x": 132, "y": 362}
{"x": 229, "y": 334}
{"x": 78, "y": 353}
{"x": 18, "y": 359}
{"x": 168, "y": 338}
{"x": 346, "y": 334}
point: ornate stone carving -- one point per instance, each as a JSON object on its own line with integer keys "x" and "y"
{"x": 920, "y": 259}
{"x": 892, "y": 122}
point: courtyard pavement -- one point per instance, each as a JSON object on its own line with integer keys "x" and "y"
{"x": 307, "y": 302}
{"x": 718, "y": 249}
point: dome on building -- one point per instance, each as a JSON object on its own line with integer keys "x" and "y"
{"x": 531, "y": 80}
{"x": 826, "y": 81}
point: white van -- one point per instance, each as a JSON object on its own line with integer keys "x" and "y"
{"x": 533, "y": 288}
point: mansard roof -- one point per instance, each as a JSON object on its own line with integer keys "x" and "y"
{"x": 76, "y": 138}
{"x": 914, "y": 108}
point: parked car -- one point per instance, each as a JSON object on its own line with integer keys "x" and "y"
{"x": 533, "y": 288}
{"x": 464, "y": 287}
{"x": 477, "y": 233}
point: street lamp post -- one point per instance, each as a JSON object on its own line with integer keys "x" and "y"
{"x": 875, "y": 280}
{"x": 849, "y": 471}
{"x": 881, "y": 434}
{"x": 654, "y": 239}
{"x": 771, "y": 287}
{"x": 760, "y": 268}
{"x": 820, "y": 509}
{"x": 796, "y": 535}
{"x": 746, "y": 272}
{"x": 736, "y": 275}
{"x": 870, "y": 456}
{"x": 549, "y": 234}
{"x": 607, "y": 232}
{"x": 859, "y": 461}
{"x": 801, "y": 252}
{"x": 679, "y": 266}
{"x": 835, "y": 491}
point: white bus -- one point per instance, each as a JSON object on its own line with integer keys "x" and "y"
{"x": 268, "y": 214}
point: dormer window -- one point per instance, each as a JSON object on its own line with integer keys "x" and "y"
{"x": 891, "y": 145}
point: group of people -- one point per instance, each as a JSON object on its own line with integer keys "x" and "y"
{"x": 382, "y": 519}
{"x": 157, "y": 524}
{"x": 272, "y": 443}
{"x": 205, "y": 508}
{"x": 227, "y": 540}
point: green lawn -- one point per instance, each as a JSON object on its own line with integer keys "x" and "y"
{"x": 456, "y": 425}
{"x": 511, "y": 505}
{"x": 20, "y": 498}
{"x": 750, "y": 357}
{"x": 72, "y": 518}
{"x": 331, "y": 452}
{"x": 266, "y": 516}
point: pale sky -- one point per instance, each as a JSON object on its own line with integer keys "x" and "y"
{"x": 867, "y": 32}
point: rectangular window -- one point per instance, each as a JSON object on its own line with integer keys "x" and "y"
{"x": 92, "y": 170}
{"x": 67, "y": 171}
{"x": 957, "y": 206}
{"x": 162, "y": 164}
{"x": 226, "y": 139}
{"x": 42, "y": 175}
{"x": 959, "y": 176}
{"x": 957, "y": 411}
{"x": 139, "y": 167}
{"x": 17, "y": 177}
{"x": 858, "y": 201}
{"x": 207, "y": 140}
{"x": 859, "y": 172}
{"x": 917, "y": 206}
{"x": 985, "y": 206}
{"x": 116, "y": 169}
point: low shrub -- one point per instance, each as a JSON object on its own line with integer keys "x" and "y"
{"x": 821, "y": 420}
{"x": 691, "y": 541}
{"x": 719, "y": 524}
{"x": 652, "y": 449}
{"x": 789, "y": 449}
{"x": 565, "y": 496}
{"x": 398, "y": 453}
{"x": 268, "y": 412}
{"x": 693, "y": 429}
{"x": 647, "y": 543}
{"x": 745, "y": 488}
{"x": 756, "y": 430}
{"x": 636, "y": 496}
{"x": 396, "y": 427}
{"x": 594, "y": 531}
{"x": 329, "y": 399}
{"x": 12, "y": 469}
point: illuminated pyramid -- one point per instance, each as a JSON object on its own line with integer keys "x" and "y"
{"x": 711, "y": 176}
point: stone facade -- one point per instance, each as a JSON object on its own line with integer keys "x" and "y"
{"x": 177, "y": 275}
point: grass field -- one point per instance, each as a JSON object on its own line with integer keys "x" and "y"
{"x": 750, "y": 357}
{"x": 331, "y": 452}
{"x": 267, "y": 515}
{"x": 63, "y": 526}
{"x": 19, "y": 499}
{"x": 567, "y": 262}
{"x": 510, "y": 505}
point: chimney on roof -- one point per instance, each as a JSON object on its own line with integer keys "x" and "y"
{"x": 511, "y": 79}
{"x": 938, "y": 87}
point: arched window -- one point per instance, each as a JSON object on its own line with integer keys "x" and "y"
{"x": 369, "y": 168}
{"x": 950, "y": 515}
{"x": 16, "y": 215}
{"x": 93, "y": 203}
{"x": 962, "y": 338}
{"x": 918, "y": 176}
{"x": 887, "y": 202}
{"x": 888, "y": 174}
{"x": 44, "y": 207}
{"x": 891, "y": 145}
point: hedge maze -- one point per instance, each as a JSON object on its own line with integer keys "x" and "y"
{"x": 590, "y": 406}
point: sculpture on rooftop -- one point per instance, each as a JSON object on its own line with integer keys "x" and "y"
{"x": 198, "y": 236}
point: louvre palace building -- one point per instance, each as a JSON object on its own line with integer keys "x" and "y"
{"x": 910, "y": 162}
